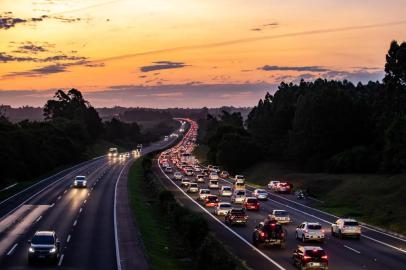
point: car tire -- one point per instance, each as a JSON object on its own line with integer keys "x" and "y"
{"x": 303, "y": 238}
{"x": 340, "y": 235}
{"x": 332, "y": 232}
{"x": 301, "y": 266}
{"x": 296, "y": 236}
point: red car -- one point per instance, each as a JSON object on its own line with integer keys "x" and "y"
{"x": 284, "y": 187}
{"x": 211, "y": 201}
{"x": 251, "y": 203}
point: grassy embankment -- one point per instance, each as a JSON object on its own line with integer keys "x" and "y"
{"x": 375, "y": 199}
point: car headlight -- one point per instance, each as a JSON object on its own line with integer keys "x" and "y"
{"x": 52, "y": 250}
{"x": 31, "y": 250}
{"x": 75, "y": 183}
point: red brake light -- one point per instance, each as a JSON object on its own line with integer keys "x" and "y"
{"x": 305, "y": 257}
{"x": 324, "y": 257}
{"x": 262, "y": 234}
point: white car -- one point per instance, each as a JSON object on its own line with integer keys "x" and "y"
{"x": 80, "y": 181}
{"x": 222, "y": 208}
{"x": 200, "y": 178}
{"x": 226, "y": 191}
{"x": 260, "y": 194}
{"x": 281, "y": 216}
{"x": 168, "y": 169}
{"x": 213, "y": 184}
{"x": 213, "y": 176}
{"x": 238, "y": 196}
{"x": 185, "y": 182}
{"x": 273, "y": 184}
{"x": 203, "y": 193}
{"x": 197, "y": 168}
{"x": 193, "y": 188}
{"x": 239, "y": 178}
{"x": 178, "y": 176}
{"x": 308, "y": 231}
{"x": 189, "y": 172}
{"x": 215, "y": 169}
{"x": 346, "y": 227}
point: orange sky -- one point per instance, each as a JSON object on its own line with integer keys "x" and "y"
{"x": 94, "y": 44}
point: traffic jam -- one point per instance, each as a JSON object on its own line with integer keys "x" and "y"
{"x": 242, "y": 207}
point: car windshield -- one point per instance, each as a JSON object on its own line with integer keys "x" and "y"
{"x": 240, "y": 193}
{"x": 314, "y": 226}
{"x": 351, "y": 223}
{"x": 261, "y": 191}
{"x": 193, "y": 185}
{"x": 80, "y": 178}
{"x": 212, "y": 198}
{"x": 226, "y": 188}
{"x": 315, "y": 253}
{"x": 240, "y": 184}
{"x": 42, "y": 240}
{"x": 226, "y": 205}
{"x": 281, "y": 213}
{"x": 237, "y": 212}
{"x": 252, "y": 201}
{"x": 205, "y": 191}
{"x": 213, "y": 182}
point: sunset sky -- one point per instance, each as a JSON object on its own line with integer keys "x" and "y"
{"x": 188, "y": 53}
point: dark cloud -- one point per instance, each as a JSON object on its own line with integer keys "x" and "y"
{"x": 31, "y": 48}
{"x": 162, "y": 65}
{"x": 272, "y": 24}
{"x": 256, "y": 29}
{"x": 10, "y": 58}
{"x": 4, "y": 57}
{"x": 294, "y": 68}
{"x": 361, "y": 75}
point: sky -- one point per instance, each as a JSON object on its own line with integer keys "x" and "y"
{"x": 188, "y": 53}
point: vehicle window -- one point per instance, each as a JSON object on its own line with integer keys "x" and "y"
{"x": 240, "y": 193}
{"x": 315, "y": 253}
{"x": 281, "y": 213}
{"x": 314, "y": 227}
{"x": 42, "y": 240}
{"x": 225, "y": 205}
{"x": 251, "y": 201}
{"x": 351, "y": 223}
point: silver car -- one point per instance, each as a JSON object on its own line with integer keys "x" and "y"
{"x": 178, "y": 176}
{"x": 260, "y": 194}
{"x": 222, "y": 208}
{"x": 203, "y": 193}
{"x": 193, "y": 188}
{"x": 80, "y": 181}
{"x": 226, "y": 191}
{"x": 281, "y": 216}
{"x": 238, "y": 196}
{"x": 308, "y": 231}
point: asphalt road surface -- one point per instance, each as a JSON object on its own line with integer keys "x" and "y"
{"x": 82, "y": 218}
{"x": 375, "y": 250}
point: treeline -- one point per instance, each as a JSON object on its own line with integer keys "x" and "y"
{"x": 72, "y": 125}
{"x": 324, "y": 125}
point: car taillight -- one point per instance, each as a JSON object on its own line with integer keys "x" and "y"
{"x": 262, "y": 234}
{"x": 306, "y": 258}
{"x": 324, "y": 257}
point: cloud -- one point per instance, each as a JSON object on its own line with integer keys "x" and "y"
{"x": 162, "y": 65}
{"x": 33, "y": 48}
{"x": 361, "y": 75}
{"x": 272, "y": 24}
{"x": 4, "y": 57}
{"x": 294, "y": 68}
{"x": 256, "y": 29}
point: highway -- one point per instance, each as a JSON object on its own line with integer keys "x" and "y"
{"x": 84, "y": 219}
{"x": 375, "y": 250}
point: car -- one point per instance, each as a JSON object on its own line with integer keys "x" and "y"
{"x": 193, "y": 188}
{"x": 269, "y": 233}
{"x": 226, "y": 191}
{"x": 200, "y": 178}
{"x": 215, "y": 169}
{"x": 211, "y": 201}
{"x": 236, "y": 216}
{"x": 238, "y": 196}
{"x": 224, "y": 174}
{"x": 222, "y": 208}
{"x": 346, "y": 227}
{"x": 168, "y": 169}
{"x": 185, "y": 182}
{"x": 80, "y": 181}
{"x": 210, "y": 167}
{"x": 272, "y": 184}
{"x": 308, "y": 231}
{"x": 310, "y": 257}
{"x": 281, "y": 216}
{"x": 45, "y": 247}
{"x": 284, "y": 187}
{"x": 189, "y": 172}
{"x": 205, "y": 172}
{"x": 213, "y": 184}
{"x": 239, "y": 177}
{"x": 260, "y": 194}
{"x": 197, "y": 168}
{"x": 251, "y": 203}
{"x": 213, "y": 176}
{"x": 239, "y": 185}
{"x": 178, "y": 176}
{"x": 203, "y": 193}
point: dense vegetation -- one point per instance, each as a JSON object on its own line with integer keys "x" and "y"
{"x": 30, "y": 149}
{"x": 334, "y": 126}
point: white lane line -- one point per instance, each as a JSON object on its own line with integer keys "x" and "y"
{"x": 65, "y": 191}
{"x": 68, "y": 239}
{"x": 118, "y": 259}
{"x": 12, "y": 249}
{"x": 350, "y": 248}
{"x": 80, "y": 210}
{"x": 225, "y": 226}
{"x": 61, "y": 259}
{"x": 10, "y": 186}
{"x": 88, "y": 194}
{"x": 59, "y": 197}
{"x": 84, "y": 201}
{"x": 52, "y": 205}
{"x": 38, "y": 219}
{"x": 74, "y": 223}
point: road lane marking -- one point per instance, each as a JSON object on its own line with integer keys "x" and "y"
{"x": 80, "y": 210}
{"x": 38, "y": 219}
{"x": 68, "y": 239}
{"x": 84, "y": 201}
{"x": 74, "y": 223}
{"x": 61, "y": 259}
{"x": 10, "y": 186}
{"x": 350, "y": 248}
{"x": 12, "y": 249}
{"x": 59, "y": 197}
{"x": 225, "y": 226}
{"x": 52, "y": 205}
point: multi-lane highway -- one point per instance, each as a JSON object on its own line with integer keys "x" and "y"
{"x": 84, "y": 220}
{"x": 375, "y": 250}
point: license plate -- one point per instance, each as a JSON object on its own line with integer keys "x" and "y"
{"x": 315, "y": 264}
{"x": 41, "y": 256}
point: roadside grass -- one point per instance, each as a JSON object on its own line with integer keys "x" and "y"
{"x": 375, "y": 199}
{"x": 154, "y": 229}
{"x": 200, "y": 152}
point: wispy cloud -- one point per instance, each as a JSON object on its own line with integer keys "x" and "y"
{"x": 294, "y": 68}
{"x": 4, "y": 57}
{"x": 29, "y": 47}
{"x": 162, "y": 65}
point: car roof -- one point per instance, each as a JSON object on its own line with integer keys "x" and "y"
{"x": 45, "y": 233}
{"x": 204, "y": 189}
{"x": 80, "y": 176}
{"x": 312, "y": 248}
{"x": 312, "y": 223}
{"x": 224, "y": 203}
{"x": 348, "y": 219}
{"x": 250, "y": 198}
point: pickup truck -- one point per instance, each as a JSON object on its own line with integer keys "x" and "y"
{"x": 269, "y": 233}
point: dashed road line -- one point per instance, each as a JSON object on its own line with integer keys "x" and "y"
{"x": 38, "y": 219}
{"x": 80, "y": 210}
{"x": 68, "y": 239}
{"x": 12, "y": 249}
{"x": 61, "y": 259}
{"x": 74, "y": 223}
{"x": 350, "y": 248}
{"x": 52, "y": 205}
{"x": 59, "y": 197}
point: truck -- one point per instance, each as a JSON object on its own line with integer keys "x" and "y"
{"x": 269, "y": 233}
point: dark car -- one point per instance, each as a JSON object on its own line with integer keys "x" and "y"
{"x": 236, "y": 216}
{"x": 44, "y": 247}
{"x": 310, "y": 257}
{"x": 269, "y": 233}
